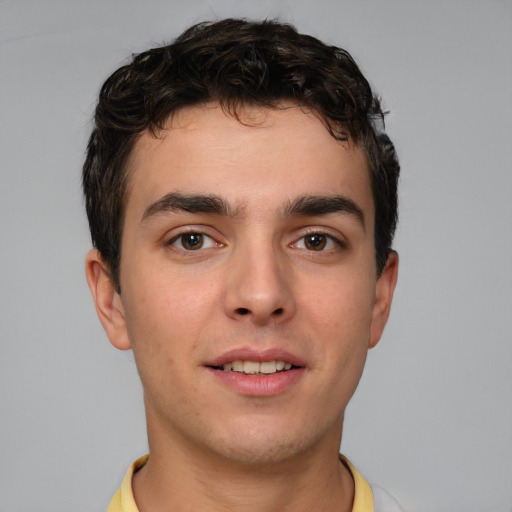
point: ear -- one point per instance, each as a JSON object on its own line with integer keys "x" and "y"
{"x": 383, "y": 297}
{"x": 107, "y": 301}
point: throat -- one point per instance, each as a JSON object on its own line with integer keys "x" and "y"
{"x": 285, "y": 487}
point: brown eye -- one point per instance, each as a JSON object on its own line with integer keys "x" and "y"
{"x": 315, "y": 242}
{"x": 318, "y": 242}
{"x": 192, "y": 241}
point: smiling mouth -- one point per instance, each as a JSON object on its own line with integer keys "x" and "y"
{"x": 247, "y": 367}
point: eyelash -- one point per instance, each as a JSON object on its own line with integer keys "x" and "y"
{"x": 180, "y": 237}
{"x": 326, "y": 239}
{"x": 329, "y": 239}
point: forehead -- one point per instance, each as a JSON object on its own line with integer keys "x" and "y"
{"x": 269, "y": 155}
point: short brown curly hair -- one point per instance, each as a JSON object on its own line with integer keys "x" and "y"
{"x": 235, "y": 62}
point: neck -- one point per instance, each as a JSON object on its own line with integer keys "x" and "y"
{"x": 182, "y": 478}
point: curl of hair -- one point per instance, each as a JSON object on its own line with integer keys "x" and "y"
{"x": 237, "y": 63}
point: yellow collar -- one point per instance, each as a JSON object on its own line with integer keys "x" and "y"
{"x": 123, "y": 500}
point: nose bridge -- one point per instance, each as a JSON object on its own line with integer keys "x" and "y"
{"x": 258, "y": 281}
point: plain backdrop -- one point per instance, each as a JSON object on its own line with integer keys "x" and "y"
{"x": 432, "y": 418}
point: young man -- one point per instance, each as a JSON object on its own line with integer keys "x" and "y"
{"x": 242, "y": 203}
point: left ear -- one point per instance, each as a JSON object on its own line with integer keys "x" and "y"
{"x": 383, "y": 297}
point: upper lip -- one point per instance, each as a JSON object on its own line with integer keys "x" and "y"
{"x": 260, "y": 356}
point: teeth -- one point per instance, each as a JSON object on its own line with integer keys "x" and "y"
{"x": 268, "y": 367}
{"x": 238, "y": 366}
{"x": 253, "y": 367}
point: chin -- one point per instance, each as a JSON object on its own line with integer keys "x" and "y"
{"x": 252, "y": 452}
{"x": 265, "y": 445}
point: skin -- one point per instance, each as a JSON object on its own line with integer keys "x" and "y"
{"x": 255, "y": 284}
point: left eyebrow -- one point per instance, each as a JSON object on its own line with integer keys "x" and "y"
{"x": 323, "y": 205}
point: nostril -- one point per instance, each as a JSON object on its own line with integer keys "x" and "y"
{"x": 245, "y": 311}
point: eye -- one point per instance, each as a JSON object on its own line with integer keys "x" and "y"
{"x": 317, "y": 242}
{"x": 192, "y": 241}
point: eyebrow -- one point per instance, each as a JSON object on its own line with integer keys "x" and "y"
{"x": 213, "y": 204}
{"x": 323, "y": 205}
{"x": 191, "y": 203}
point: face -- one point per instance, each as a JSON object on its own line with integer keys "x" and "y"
{"x": 248, "y": 285}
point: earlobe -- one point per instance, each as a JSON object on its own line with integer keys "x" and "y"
{"x": 107, "y": 301}
{"x": 383, "y": 297}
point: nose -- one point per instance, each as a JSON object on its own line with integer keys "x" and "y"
{"x": 258, "y": 286}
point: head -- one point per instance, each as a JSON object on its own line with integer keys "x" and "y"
{"x": 242, "y": 204}
{"x": 235, "y": 63}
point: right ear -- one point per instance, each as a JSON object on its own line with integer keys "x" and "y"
{"x": 107, "y": 301}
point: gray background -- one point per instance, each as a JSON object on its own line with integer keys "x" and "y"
{"x": 432, "y": 419}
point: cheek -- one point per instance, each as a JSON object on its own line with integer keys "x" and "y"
{"x": 166, "y": 311}
{"x": 341, "y": 319}
{"x": 344, "y": 303}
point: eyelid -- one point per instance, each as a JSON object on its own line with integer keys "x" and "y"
{"x": 204, "y": 245}
{"x": 337, "y": 239}
{"x": 177, "y": 233}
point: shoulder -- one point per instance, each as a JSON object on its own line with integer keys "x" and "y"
{"x": 123, "y": 500}
{"x": 370, "y": 498}
{"x": 383, "y": 501}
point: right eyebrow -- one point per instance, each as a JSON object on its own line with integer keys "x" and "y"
{"x": 191, "y": 203}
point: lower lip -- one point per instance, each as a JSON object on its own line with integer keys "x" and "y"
{"x": 259, "y": 385}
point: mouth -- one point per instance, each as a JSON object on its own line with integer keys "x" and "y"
{"x": 248, "y": 367}
{"x": 257, "y": 373}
